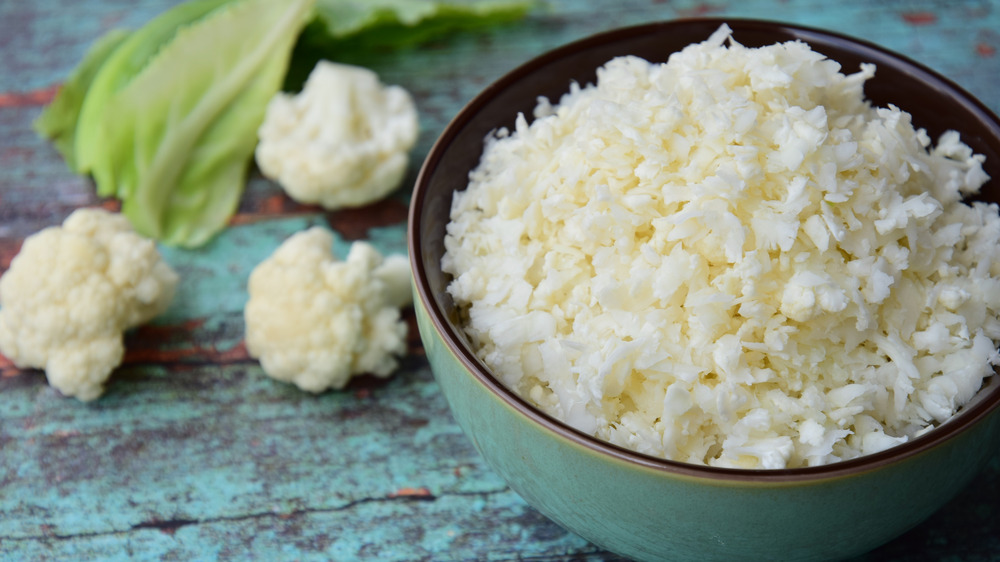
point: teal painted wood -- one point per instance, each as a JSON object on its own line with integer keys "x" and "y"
{"x": 194, "y": 454}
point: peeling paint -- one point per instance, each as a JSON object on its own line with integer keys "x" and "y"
{"x": 30, "y": 98}
{"x": 354, "y": 224}
{"x": 411, "y": 493}
{"x": 919, "y": 18}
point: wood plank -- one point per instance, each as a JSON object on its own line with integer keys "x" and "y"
{"x": 195, "y": 454}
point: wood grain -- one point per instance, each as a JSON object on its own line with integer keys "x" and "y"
{"x": 194, "y": 454}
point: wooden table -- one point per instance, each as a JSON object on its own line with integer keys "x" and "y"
{"x": 194, "y": 454}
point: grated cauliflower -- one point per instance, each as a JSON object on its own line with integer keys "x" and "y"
{"x": 72, "y": 291}
{"x": 315, "y": 321}
{"x": 342, "y": 142}
{"x": 730, "y": 259}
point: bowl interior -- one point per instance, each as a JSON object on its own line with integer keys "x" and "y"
{"x": 935, "y": 103}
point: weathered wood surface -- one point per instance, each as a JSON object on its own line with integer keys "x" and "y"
{"x": 194, "y": 454}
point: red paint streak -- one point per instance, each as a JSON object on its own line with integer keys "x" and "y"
{"x": 414, "y": 345}
{"x": 8, "y": 249}
{"x": 147, "y": 344}
{"x": 152, "y": 344}
{"x": 111, "y": 205}
{"x": 354, "y": 223}
{"x": 210, "y": 354}
{"x": 274, "y": 204}
{"x": 411, "y": 493}
{"x": 985, "y": 50}
{"x": 258, "y": 209}
{"x": 8, "y": 369}
{"x": 155, "y": 331}
{"x": 919, "y": 18}
{"x": 254, "y": 217}
{"x": 16, "y": 153}
{"x": 236, "y": 353}
{"x": 30, "y": 98}
{"x": 245, "y": 218}
{"x": 702, "y": 9}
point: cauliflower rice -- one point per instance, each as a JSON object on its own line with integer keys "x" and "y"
{"x": 730, "y": 259}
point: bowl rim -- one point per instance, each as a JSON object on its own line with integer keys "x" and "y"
{"x": 967, "y": 417}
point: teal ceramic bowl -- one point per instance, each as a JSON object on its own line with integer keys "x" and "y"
{"x": 648, "y": 508}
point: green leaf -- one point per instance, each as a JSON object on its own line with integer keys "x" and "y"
{"x": 121, "y": 66}
{"x": 396, "y": 23}
{"x": 165, "y": 118}
{"x": 58, "y": 120}
{"x": 185, "y": 127}
{"x": 346, "y": 28}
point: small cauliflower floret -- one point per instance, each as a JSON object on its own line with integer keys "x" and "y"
{"x": 72, "y": 291}
{"x": 315, "y": 321}
{"x": 342, "y": 142}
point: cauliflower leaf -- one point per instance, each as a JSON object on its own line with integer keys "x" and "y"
{"x": 178, "y": 149}
{"x": 164, "y": 117}
{"x": 58, "y": 121}
{"x": 120, "y": 66}
{"x": 348, "y": 30}
{"x": 408, "y": 22}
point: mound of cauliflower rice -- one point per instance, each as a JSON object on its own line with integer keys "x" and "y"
{"x": 730, "y": 259}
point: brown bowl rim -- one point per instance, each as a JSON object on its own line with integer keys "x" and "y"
{"x": 966, "y": 418}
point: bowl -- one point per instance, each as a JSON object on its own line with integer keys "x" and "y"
{"x": 649, "y": 508}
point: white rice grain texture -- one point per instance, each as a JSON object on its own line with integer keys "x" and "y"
{"x": 730, "y": 259}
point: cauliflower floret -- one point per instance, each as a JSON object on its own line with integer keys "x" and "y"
{"x": 342, "y": 142}
{"x": 72, "y": 291}
{"x": 316, "y": 321}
